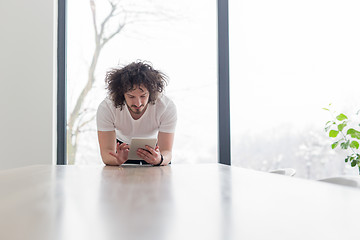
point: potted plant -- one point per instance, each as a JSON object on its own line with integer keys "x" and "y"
{"x": 342, "y": 130}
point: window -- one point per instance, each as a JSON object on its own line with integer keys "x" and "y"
{"x": 288, "y": 60}
{"x": 178, "y": 38}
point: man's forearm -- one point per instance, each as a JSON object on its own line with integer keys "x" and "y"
{"x": 109, "y": 160}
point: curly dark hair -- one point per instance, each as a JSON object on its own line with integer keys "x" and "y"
{"x": 121, "y": 80}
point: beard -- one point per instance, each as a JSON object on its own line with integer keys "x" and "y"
{"x": 136, "y": 110}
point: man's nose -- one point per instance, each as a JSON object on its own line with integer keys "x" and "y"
{"x": 138, "y": 102}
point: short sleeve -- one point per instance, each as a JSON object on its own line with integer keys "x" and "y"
{"x": 168, "y": 119}
{"x": 105, "y": 116}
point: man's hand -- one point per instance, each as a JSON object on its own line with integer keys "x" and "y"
{"x": 151, "y": 156}
{"x": 122, "y": 152}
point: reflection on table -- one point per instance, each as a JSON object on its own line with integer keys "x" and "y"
{"x": 204, "y": 201}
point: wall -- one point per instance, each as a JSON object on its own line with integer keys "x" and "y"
{"x": 26, "y": 82}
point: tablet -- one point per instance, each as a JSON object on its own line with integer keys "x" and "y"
{"x": 140, "y": 143}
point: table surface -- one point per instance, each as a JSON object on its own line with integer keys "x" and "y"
{"x": 203, "y": 201}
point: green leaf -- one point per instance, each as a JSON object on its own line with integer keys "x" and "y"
{"x": 347, "y": 158}
{"x": 341, "y": 117}
{"x": 333, "y": 133}
{"x": 356, "y": 135}
{"x": 341, "y": 126}
{"x": 334, "y": 145}
{"x": 345, "y": 145}
{"x": 353, "y": 133}
{"x": 328, "y": 125}
{"x": 354, "y": 144}
{"x": 350, "y": 131}
{"x": 353, "y": 163}
{"x": 329, "y": 122}
{"x": 326, "y": 109}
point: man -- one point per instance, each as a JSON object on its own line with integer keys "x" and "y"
{"x": 136, "y": 107}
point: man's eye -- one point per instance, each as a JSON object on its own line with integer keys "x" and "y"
{"x": 143, "y": 96}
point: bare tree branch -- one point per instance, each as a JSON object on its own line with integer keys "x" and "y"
{"x": 93, "y": 10}
{"x": 106, "y": 20}
{"x": 105, "y": 40}
{"x": 86, "y": 122}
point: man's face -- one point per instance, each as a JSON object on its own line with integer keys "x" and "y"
{"x": 137, "y": 99}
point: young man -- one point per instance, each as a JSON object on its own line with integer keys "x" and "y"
{"x": 136, "y": 107}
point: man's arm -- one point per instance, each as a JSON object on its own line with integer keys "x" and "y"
{"x": 112, "y": 153}
{"x": 165, "y": 143}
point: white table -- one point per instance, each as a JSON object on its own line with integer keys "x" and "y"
{"x": 205, "y": 201}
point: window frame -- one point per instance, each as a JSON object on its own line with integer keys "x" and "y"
{"x": 224, "y": 143}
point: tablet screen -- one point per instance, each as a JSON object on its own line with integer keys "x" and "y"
{"x": 140, "y": 143}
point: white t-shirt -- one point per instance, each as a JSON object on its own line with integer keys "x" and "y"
{"x": 158, "y": 117}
